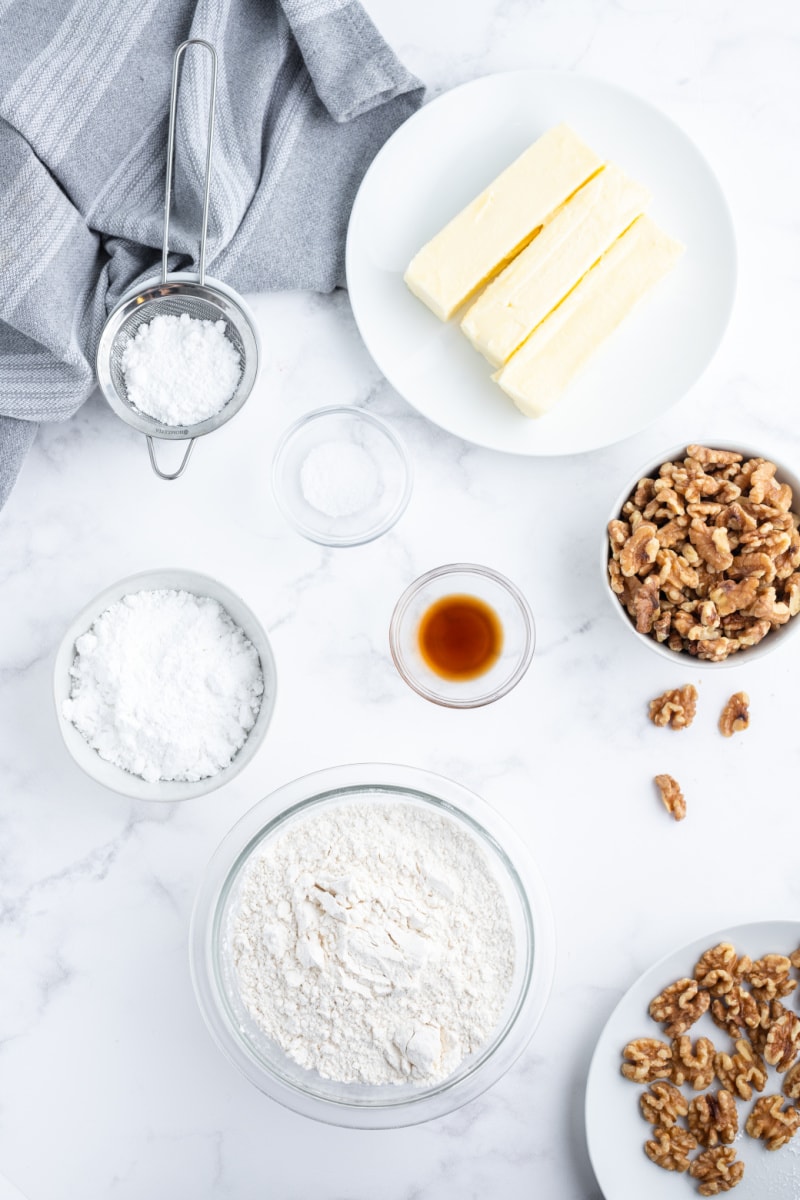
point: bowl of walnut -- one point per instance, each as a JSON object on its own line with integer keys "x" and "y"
{"x": 703, "y": 554}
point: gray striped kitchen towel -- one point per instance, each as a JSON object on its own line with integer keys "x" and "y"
{"x": 307, "y": 93}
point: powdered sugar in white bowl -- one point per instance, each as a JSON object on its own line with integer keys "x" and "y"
{"x": 170, "y": 680}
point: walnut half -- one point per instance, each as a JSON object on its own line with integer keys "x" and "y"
{"x": 718, "y": 969}
{"x": 769, "y": 977}
{"x": 671, "y": 796}
{"x": 737, "y": 1072}
{"x": 676, "y": 707}
{"x": 663, "y": 1104}
{"x": 647, "y": 1059}
{"x": 713, "y": 1118}
{"x": 791, "y": 1083}
{"x": 679, "y": 1006}
{"x": 735, "y": 715}
{"x": 717, "y": 1170}
{"x": 670, "y": 1148}
{"x": 771, "y": 1122}
{"x": 695, "y": 1066}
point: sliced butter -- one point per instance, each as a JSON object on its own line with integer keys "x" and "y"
{"x": 486, "y": 235}
{"x": 569, "y": 244}
{"x": 541, "y": 369}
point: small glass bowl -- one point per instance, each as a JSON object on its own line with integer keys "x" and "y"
{"x": 353, "y": 427}
{"x": 259, "y": 1058}
{"x": 515, "y": 616}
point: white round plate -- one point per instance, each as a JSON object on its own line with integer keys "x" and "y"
{"x": 615, "y": 1129}
{"x": 444, "y": 156}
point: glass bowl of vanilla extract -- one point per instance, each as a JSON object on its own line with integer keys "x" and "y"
{"x": 462, "y": 635}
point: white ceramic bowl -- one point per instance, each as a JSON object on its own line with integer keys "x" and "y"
{"x": 107, "y": 773}
{"x": 259, "y": 1058}
{"x": 775, "y": 637}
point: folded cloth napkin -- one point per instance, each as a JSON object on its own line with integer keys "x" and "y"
{"x": 307, "y": 92}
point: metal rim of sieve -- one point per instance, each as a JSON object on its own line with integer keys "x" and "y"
{"x": 195, "y": 295}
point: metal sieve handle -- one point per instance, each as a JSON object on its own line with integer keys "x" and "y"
{"x": 151, "y": 449}
{"x": 173, "y": 108}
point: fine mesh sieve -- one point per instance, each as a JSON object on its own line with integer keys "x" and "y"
{"x": 199, "y": 297}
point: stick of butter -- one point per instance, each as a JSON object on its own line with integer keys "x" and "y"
{"x": 569, "y": 244}
{"x": 538, "y": 373}
{"x": 489, "y": 232}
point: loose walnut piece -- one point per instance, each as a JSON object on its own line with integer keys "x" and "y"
{"x": 736, "y": 1011}
{"x": 770, "y": 1121}
{"x": 735, "y": 715}
{"x": 794, "y": 959}
{"x": 663, "y": 1104}
{"x": 737, "y": 1072}
{"x": 672, "y": 796}
{"x": 767, "y": 1011}
{"x": 693, "y": 1066}
{"x": 713, "y": 1118}
{"x": 676, "y": 707}
{"x": 782, "y": 1043}
{"x": 717, "y": 1170}
{"x": 646, "y": 605}
{"x": 711, "y": 551}
{"x": 706, "y": 456}
{"x": 640, "y": 550}
{"x": 670, "y": 1148}
{"x": 647, "y": 1059}
{"x": 769, "y": 977}
{"x": 719, "y": 968}
{"x": 791, "y": 1083}
{"x": 679, "y": 1006}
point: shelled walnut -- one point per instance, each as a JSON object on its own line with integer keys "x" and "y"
{"x": 663, "y": 1104}
{"x": 647, "y": 1059}
{"x": 717, "y": 1170}
{"x": 791, "y": 1082}
{"x": 693, "y": 1066}
{"x": 736, "y": 1011}
{"x": 767, "y": 1012}
{"x": 705, "y": 555}
{"x": 741, "y": 1071}
{"x": 671, "y": 796}
{"x": 782, "y": 1043}
{"x": 718, "y": 969}
{"x": 771, "y": 1122}
{"x": 769, "y": 977}
{"x": 713, "y": 1118}
{"x": 670, "y": 1148}
{"x": 679, "y": 1006}
{"x": 676, "y": 707}
{"x": 735, "y": 716}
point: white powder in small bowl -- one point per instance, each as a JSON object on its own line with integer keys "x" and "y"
{"x": 180, "y": 370}
{"x": 339, "y": 479}
{"x": 166, "y": 686}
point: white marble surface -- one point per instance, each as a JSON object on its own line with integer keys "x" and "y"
{"x": 110, "y": 1086}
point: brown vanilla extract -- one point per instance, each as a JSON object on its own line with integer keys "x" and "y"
{"x": 460, "y": 637}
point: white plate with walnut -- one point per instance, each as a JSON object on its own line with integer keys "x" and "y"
{"x": 540, "y": 263}
{"x": 694, "y": 1086}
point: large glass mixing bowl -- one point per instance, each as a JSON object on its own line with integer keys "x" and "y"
{"x": 259, "y": 1058}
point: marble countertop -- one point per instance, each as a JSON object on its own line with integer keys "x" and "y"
{"x": 110, "y": 1086}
